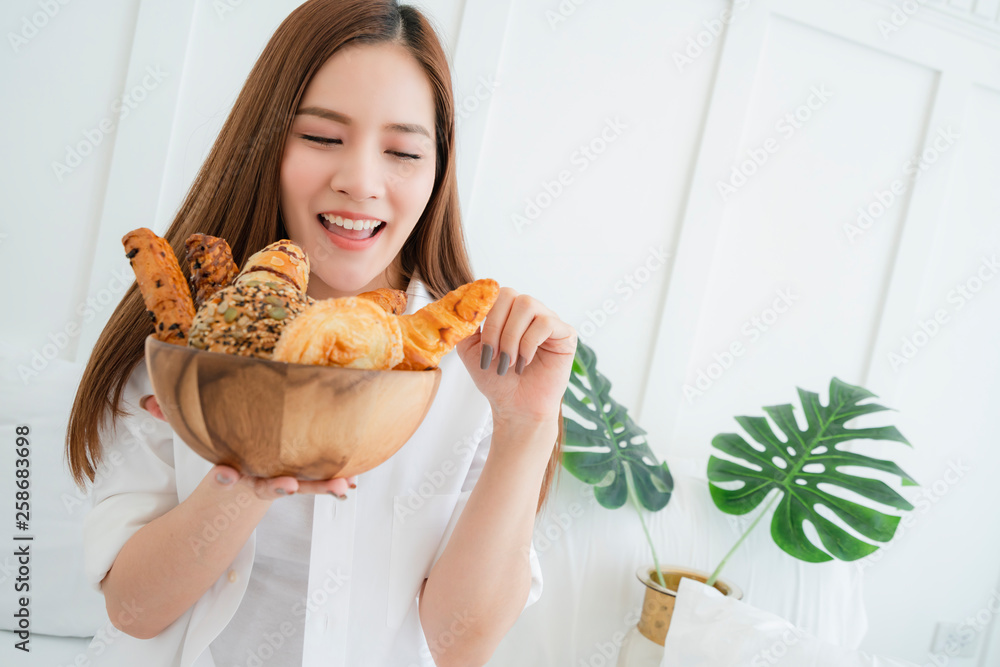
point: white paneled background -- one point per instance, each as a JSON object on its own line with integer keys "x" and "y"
{"x": 629, "y": 240}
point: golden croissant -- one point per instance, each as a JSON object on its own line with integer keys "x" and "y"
{"x": 356, "y": 333}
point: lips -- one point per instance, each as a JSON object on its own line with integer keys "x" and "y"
{"x": 350, "y": 239}
{"x": 350, "y": 227}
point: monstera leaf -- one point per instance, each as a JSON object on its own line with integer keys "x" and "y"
{"x": 604, "y": 447}
{"x": 804, "y": 466}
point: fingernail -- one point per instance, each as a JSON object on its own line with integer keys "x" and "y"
{"x": 281, "y": 492}
{"x": 223, "y": 479}
{"x": 503, "y": 363}
{"x": 337, "y": 495}
{"x": 353, "y": 486}
{"x": 484, "y": 361}
{"x": 521, "y": 361}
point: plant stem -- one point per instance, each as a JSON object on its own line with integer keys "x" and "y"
{"x": 715, "y": 574}
{"x": 638, "y": 510}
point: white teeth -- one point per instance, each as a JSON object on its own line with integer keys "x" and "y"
{"x": 347, "y": 223}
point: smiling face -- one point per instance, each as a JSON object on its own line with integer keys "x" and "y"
{"x": 359, "y": 158}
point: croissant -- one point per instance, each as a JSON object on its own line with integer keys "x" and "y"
{"x": 349, "y": 332}
{"x": 282, "y": 260}
{"x": 431, "y": 332}
{"x": 162, "y": 284}
{"x": 211, "y": 264}
{"x": 392, "y": 300}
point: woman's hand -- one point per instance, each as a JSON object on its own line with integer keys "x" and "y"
{"x": 521, "y": 360}
{"x": 264, "y": 488}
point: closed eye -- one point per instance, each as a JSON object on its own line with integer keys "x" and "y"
{"x": 321, "y": 140}
{"x": 326, "y": 142}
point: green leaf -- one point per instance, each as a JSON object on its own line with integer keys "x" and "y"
{"x": 602, "y": 441}
{"x": 803, "y": 466}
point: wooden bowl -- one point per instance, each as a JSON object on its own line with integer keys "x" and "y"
{"x": 270, "y": 418}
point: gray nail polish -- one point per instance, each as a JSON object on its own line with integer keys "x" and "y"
{"x": 521, "y": 362}
{"x": 503, "y": 363}
{"x": 281, "y": 492}
{"x": 487, "y": 357}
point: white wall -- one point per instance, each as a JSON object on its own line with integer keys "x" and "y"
{"x": 555, "y": 85}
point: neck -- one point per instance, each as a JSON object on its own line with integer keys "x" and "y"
{"x": 319, "y": 290}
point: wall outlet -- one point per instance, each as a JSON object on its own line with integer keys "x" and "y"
{"x": 955, "y": 640}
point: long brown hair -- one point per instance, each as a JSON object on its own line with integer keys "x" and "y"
{"x": 235, "y": 195}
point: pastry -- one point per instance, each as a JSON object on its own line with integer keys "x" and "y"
{"x": 431, "y": 332}
{"x": 282, "y": 260}
{"x": 162, "y": 284}
{"x": 211, "y": 266}
{"x": 350, "y": 332}
{"x": 247, "y": 318}
{"x": 392, "y": 300}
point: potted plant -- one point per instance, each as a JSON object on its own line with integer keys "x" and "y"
{"x": 789, "y": 471}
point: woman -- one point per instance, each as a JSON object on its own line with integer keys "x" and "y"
{"x": 345, "y": 122}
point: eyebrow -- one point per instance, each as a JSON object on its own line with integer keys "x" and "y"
{"x": 338, "y": 117}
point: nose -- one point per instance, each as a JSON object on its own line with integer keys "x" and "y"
{"x": 358, "y": 174}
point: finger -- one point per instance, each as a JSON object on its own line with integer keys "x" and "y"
{"x": 493, "y": 325}
{"x": 540, "y": 330}
{"x": 150, "y": 405}
{"x": 524, "y": 310}
{"x": 275, "y": 487}
{"x": 335, "y": 487}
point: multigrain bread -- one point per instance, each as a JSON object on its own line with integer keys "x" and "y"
{"x": 247, "y": 318}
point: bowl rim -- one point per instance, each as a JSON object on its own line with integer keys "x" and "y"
{"x": 153, "y": 341}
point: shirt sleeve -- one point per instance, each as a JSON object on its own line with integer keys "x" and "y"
{"x": 134, "y": 482}
{"x": 475, "y": 469}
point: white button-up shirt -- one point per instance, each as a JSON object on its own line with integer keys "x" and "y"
{"x": 369, "y": 554}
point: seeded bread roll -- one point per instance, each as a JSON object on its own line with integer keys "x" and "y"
{"x": 247, "y": 318}
{"x": 211, "y": 264}
{"x": 164, "y": 289}
{"x": 283, "y": 261}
